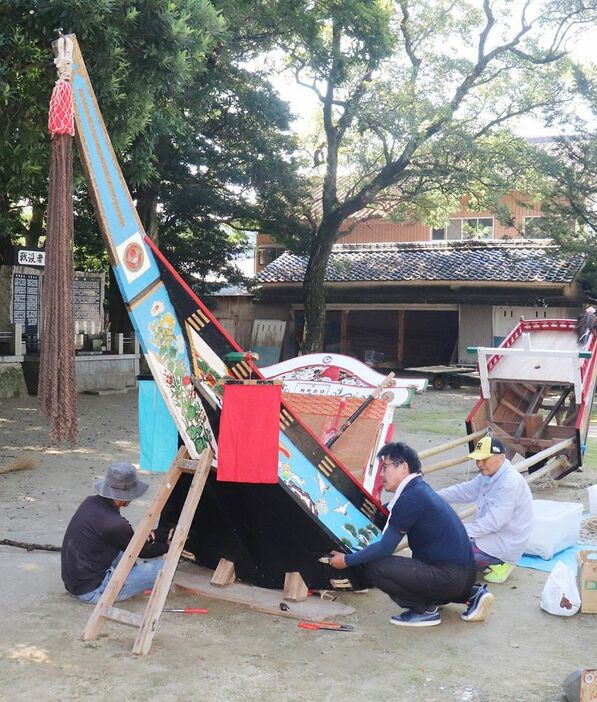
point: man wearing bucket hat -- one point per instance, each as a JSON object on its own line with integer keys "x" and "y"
{"x": 97, "y": 536}
{"x": 503, "y": 521}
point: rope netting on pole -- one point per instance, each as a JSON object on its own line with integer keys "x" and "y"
{"x": 57, "y": 387}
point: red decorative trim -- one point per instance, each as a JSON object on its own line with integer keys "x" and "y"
{"x": 527, "y": 325}
{"x": 196, "y": 300}
{"x": 256, "y": 370}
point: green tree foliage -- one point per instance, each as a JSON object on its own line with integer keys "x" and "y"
{"x": 204, "y": 142}
{"x": 415, "y": 103}
{"x": 567, "y": 188}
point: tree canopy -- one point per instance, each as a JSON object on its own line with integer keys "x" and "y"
{"x": 415, "y": 103}
{"x": 203, "y": 141}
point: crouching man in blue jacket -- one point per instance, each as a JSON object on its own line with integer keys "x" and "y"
{"x": 442, "y": 568}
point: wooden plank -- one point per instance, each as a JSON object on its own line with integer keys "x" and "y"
{"x": 511, "y": 407}
{"x": 122, "y": 616}
{"x": 129, "y": 557}
{"x": 161, "y": 588}
{"x": 532, "y": 422}
{"x": 196, "y": 580}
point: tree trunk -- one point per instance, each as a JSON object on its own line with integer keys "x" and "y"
{"x": 314, "y": 289}
{"x": 147, "y": 207}
{"x": 35, "y": 230}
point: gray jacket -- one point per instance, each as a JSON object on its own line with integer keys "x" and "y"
{"x": 504, "y": 517}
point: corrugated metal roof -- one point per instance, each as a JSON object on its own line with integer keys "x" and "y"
{"x": 521, "y": 261}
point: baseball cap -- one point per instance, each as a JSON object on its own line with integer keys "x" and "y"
{"x": 487, "y": 446}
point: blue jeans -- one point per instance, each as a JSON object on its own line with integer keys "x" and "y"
{"x": 142, "y": 577}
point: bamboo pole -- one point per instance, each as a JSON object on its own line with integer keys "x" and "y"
{"x": 432, "y": 467}
{"x": 521, "y": 466}
{"x": 558, "y": 462}
{"x": 452, "y": 444}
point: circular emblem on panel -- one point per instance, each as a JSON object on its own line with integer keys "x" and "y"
{"x": 133, "y": 256}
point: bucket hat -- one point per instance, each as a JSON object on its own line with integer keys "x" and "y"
{"x": 121, "y": 483}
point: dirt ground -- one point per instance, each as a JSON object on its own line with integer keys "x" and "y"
{"x": 519, "y": 654}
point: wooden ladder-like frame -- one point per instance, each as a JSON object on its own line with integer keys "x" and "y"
{"x": 147, "y": 622}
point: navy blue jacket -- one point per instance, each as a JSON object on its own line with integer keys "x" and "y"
{"x": 435, "y": 532}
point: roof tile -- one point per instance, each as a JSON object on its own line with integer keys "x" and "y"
{"x": 490, "y": 260}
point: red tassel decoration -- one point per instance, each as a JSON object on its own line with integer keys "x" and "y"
{"x": 57, "y": 386}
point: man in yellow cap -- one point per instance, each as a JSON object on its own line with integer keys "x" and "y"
{"x": 503, "y": 521}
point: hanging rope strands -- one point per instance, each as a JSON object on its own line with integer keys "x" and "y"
{"x": 57, "y": 389}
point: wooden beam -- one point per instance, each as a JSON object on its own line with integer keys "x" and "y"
{"x": 160, "y": 591}
{"x": 401, "y": 333}
{"x": 122, "y": 616}
{"x": 344, "y": 332}
{"x": 554, "y": 410}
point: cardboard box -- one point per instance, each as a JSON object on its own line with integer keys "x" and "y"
{"x": 588, "y": 685}
{"x": 587, "y": 573}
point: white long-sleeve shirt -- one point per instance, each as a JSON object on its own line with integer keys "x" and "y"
{"x": 504, "y": 516}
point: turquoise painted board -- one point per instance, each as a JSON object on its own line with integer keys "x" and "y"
{"x": 158, "y": 435}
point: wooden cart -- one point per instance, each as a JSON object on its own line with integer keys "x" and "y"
{"x": 440, "y": 376}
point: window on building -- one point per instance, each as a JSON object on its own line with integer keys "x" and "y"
{"x": 267, "y": 254}
{"x": 464, "y": 228}
{"x": 535, "y": 227}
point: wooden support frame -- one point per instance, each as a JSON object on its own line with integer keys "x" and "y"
{"x": 552, "y": 413}
{"x": 148, "y": 622}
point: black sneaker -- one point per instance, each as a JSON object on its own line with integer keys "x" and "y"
{"x": 429, "y": 618}
{"x": 479, "y": 605}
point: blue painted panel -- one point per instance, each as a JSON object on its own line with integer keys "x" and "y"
{"x": 158, "y": 435}
{"x": 323, "y": 500}
{"x": 110, "y": 188}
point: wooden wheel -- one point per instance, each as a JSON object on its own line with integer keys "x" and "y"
{"x": 455, "y": 381}
{"x": 439, "y": 382}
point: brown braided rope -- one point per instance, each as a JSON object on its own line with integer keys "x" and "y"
{"x": 57, "y": 387}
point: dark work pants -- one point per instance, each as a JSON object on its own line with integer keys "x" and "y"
{"x": 418, "y": 586}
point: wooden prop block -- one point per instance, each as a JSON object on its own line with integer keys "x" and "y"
{"x": 224, "y": 574}
{"x": 196, "y": 580}
{"x": 295, "y": 589}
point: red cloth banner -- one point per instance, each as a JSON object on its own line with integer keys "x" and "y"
{"x": 249, "y": 437}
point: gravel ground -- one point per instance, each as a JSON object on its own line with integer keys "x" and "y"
{"x": 519, "y": 653}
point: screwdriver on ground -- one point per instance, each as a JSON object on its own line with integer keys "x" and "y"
{"x": 328, "y": 626}
{"x": 188, "y": 610}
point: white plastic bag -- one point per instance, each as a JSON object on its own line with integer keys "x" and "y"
{"x": 560, "y": 592}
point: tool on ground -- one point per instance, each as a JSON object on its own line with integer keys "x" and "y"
{"x": 328, "y": 626}
{"x": 188, "y": 610}
{"x": 360, "y": 409}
